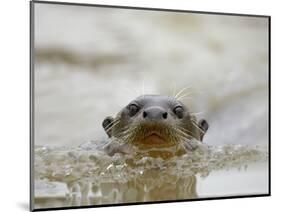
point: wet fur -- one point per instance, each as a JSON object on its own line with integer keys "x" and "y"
{"x": 131, "y": 130}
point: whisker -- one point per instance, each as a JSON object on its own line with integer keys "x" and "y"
{"x": 186, "y": 131}
{"x": 114, "y": 121}
{"x": 184, "y": 94}
{"x": 112, "y": 124}
{"x": 107, "y": 130}
{"x": 133, "y": 133}
{"x": 196, "y": 113}
{"x": 182, "y": 145}
{"x": 195, "y": 125}
{"x": 181, "y": 91}
{"x": 184, "y": 98}
{"x": 179, "y": 129}
{"x": 184, "y": 137}
{"x": 125, "y": 134}
{"x": 121, "y": 132}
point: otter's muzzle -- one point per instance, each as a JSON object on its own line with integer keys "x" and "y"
{"x": 154, "y": 114}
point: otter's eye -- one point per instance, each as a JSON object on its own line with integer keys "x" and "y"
{"x": 178, "y": 111}
{"x": 133, "y": 109}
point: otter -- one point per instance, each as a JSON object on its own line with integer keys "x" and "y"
{"x": 154, "y": 124}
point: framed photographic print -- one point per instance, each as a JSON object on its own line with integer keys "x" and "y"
{"x": 144, "y": 105}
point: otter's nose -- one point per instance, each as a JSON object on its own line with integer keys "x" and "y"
{"x": 154, "y": 114}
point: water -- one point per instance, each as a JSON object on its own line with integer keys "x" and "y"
{"x": 87, "y": 176}
{"x": 91, "y": 62}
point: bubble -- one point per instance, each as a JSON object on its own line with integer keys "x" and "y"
{"x": 91, "y": 175}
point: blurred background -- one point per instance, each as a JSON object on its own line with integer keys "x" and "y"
{"x": 90, "y": 62}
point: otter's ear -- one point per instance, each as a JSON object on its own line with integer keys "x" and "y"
{"x": 107, "y": 123}
{"x": 204, "y": 126}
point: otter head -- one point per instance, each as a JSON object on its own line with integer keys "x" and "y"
{"x": 155, "y": 121}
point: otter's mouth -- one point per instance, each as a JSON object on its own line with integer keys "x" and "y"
{"x": 154, "y": 138}
{"x": 150, "y": 135}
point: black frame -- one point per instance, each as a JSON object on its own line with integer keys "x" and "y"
{"x": 31, "y": 104}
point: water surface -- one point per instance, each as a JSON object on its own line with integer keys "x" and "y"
{"x": 87, "y": 176}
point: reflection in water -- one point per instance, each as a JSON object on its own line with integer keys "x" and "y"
{"x": 148, "y": 187}
{"x": 87, "y": 176}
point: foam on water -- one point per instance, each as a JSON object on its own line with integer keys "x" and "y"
{"x": 86, "y": 175}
